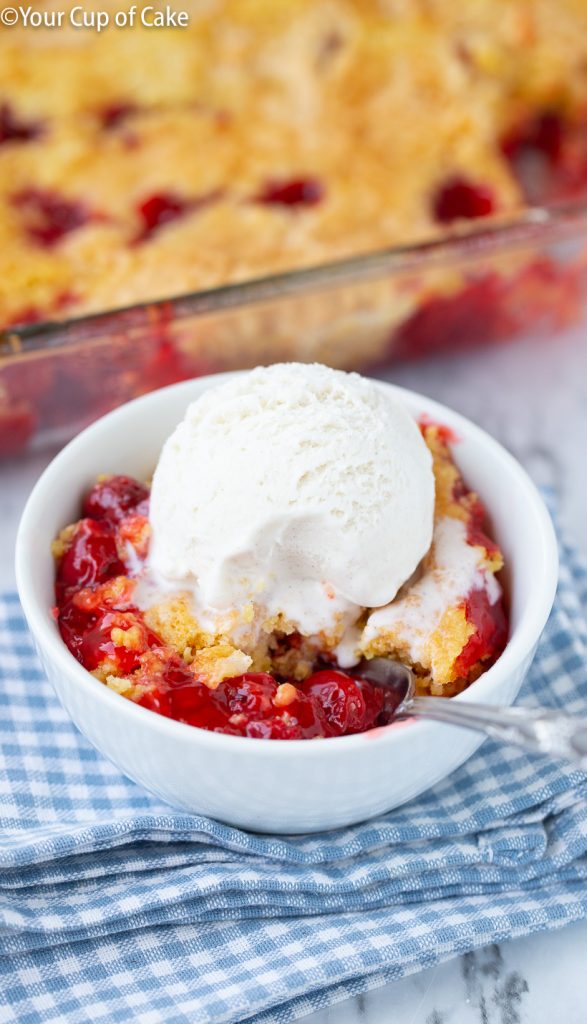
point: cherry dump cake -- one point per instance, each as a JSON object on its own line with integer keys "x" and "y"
{"x": 248, "y": 626}
{"x": 144, "y": 163}
{"x": 141, "y": 164}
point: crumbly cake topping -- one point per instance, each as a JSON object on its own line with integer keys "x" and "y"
{"x": 330, "y": 128}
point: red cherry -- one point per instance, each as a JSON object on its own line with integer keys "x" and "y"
{"x": 74, "y": 624}
{"x": 12, "y": 129}
{"x": 164, "y": 669}
{"x": 542, "y": 134}
{"x": 91, "y": 557}
{"x": 348, "y": 705}
{"x": 159, "y": 672}
{"x": 249, "y": 699}
{"x": 157, "y": 701}
{"x": 292, "y": 192}
{"x": 188, "y": 699}
{"x": 305, "y": 713}
{"x": 49, "y": 217}
{"x": 250, "y": 694}
{"x": 115, "y": 498}
{"x": 164, "y": 207}
{"x": 548, "y": 155}
{"x": 374, "y": 698}
{"x": 171, "y": 689}
{"x": 301, "y": 719}
{"x": 197, "y": 706}
{"x": 115, "y": 114}
{"x": 95, "y": 644}
{"x": 161, "y": 209}
{"x": 491, "y": 630}
{"x": 273, "y": 729}
{"x": 460, "y": 199}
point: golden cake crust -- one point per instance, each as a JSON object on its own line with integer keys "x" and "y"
{"x": 378, "y": 102}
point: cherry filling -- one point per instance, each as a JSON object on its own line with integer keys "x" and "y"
{"x": 106, "y": 631}
{"x": 12, "y": 129}
{"x": 17, "y": 426}
{"x": 541, "y": 135}
{"x": 548, "y": 154}
{"x": 248, "y": 705}
{"x": 116, "y": 114}
{"x": 490, "y": 308}
{"x": 292, "y": 192}
{"x": 490, "y": 635}
{"x": 165, "y": 207}
{"x": 348, "y": 705}
{"x": 92, "y": 557}
{"x": 301, "y": 719}
{"x": 535, "y": 150}
{"x": 461, "y": 199}
{"x": 476, "y": 533}
{"x": 160, "y": 209}
{"x": 48, "y": 217}
{"x": 115, "y": 498}
{"x": 91, "y": 636}
{"x": 167, "y": 686}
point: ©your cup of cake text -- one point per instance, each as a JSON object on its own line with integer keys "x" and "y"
{"x": 148, "y": 15}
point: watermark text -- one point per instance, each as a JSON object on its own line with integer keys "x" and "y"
{"x": 149, "y": 15}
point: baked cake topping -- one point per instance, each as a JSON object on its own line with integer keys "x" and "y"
{"x": 356, "y": 114}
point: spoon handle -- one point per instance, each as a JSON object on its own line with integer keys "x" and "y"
{"x": 539, "y": 731}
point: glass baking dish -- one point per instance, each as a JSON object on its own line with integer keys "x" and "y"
{"x": 485, "y": 283}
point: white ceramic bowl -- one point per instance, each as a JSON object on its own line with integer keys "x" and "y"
{"x": 277, "y": 786}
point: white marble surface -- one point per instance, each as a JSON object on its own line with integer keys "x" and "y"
{"x": 536, "y": 980}
{"x": 533, "y": 397}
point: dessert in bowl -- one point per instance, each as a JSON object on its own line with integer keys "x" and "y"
{"x": 248, "y": 643}
{"x": 298, "y": 521}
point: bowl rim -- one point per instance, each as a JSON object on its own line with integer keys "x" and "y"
{"x": 520, "y": 644}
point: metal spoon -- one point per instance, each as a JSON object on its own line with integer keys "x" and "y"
{"x": 538, "y": 730}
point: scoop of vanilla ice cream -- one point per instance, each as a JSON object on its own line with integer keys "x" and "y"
{"x": 303, "y": 490}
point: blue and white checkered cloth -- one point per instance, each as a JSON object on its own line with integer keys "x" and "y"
{"x": 113, "y": 907}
